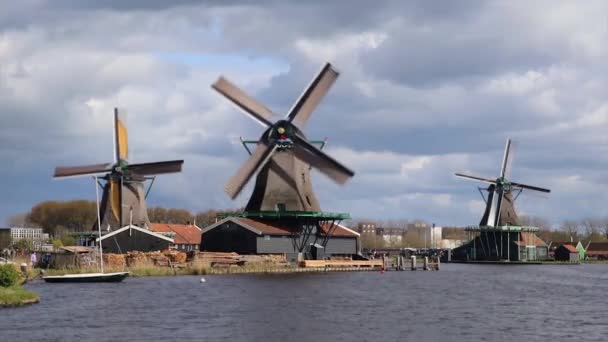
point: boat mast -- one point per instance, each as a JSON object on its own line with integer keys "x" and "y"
{"x": 98, "y": 223}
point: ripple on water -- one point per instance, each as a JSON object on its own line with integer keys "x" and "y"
{"x": 461, "y": 302}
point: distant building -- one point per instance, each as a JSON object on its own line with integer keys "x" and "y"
{"x": 391, "y": 236}
{"x": 435, "y": 235}
{"x": 186, "y": 237}
{"x": 566, "y": 252}
{"x": 8, "y": 236}
{"x": 578, "y": 245}
{"x": 597, "y": 251}
{"x": 366, "y": 229}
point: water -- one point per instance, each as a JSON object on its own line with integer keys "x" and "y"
{"x": 459, "y": 303}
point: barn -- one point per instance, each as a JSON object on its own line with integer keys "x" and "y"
{"x": 257, "y": 236}
{"x": 133, "y": 238}
{"x": 187, "y": 237}
{"x": 597, "y": 251}
{"x": 566, "y": 252}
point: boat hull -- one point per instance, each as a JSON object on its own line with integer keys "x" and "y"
{"x": 88, "y": 278}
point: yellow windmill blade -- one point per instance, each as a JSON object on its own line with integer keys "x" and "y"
{"x": 115, "y": 199}
{"x": 122, "y": 138}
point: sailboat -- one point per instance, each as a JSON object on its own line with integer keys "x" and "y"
{"x": 100, "y": 277}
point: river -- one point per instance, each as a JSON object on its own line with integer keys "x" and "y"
{"x": 458, "y": 303}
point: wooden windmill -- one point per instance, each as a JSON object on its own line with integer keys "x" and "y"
{"x": 500, "y": 235}
{"x": 123, "y": 199}
{"x": 283, "y": 156}
{"x": 283, "y": 196}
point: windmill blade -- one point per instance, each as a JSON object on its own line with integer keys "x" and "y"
{"x": 530, "y": 187}
{"x": 308, "y": 101}
{"x": 116, "y": 199}
{"x": 156, "y": 168}
{"x": 505, "y": 159}
{"x": 72, "y": 171}
{"x": 310, "y": 154}
{"x": 121, "y": 138}
{"x": 256, "y": 161}
{"x": 252, "y": 107}
{"x": 500, "y": 195}
{"x": 480, "y": 179}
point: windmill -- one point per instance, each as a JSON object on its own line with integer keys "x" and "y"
{"x": 123, "y": 199}
{"x": 500, "y": 210}
{"x": 283, "y": 155}
{"x": 282, "y": 159}
{"x": 500, "y": 218}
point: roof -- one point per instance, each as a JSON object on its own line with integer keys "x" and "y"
{"x": 265, "y": 228}
{"x": 597, "y": 248}
{"x": 555, "y": 244}
{"x": 530, "y": 239}
{"x": 184, "y": 233}
{"x": 145, "y": 231}
{"x": 77, "y": 249}
{"x": 569, "y": 247}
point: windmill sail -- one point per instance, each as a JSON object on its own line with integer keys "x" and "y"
{"x": 283, "y": 156}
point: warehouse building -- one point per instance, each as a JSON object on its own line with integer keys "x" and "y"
{"x": 132, "y": 238}
{"x": 255, "y": 236}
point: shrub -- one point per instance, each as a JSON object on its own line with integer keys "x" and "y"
{"x": 8, "y": 276}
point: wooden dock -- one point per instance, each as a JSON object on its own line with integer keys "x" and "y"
{"x": 342, "y": 263}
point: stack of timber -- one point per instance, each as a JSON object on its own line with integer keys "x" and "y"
{"x": 218, "y": 259}
{"x": 342, "y": 263}
{"x": 168, "y": 258}
{"x": 114, "y": 261}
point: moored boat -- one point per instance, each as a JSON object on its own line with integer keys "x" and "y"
{"x": 88, "y": 278}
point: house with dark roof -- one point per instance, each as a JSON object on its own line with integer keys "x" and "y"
{"x": 248, "y": 236}
{"x": 553, "y": 245}
{"x": 566, "y": 252}
{"x": 186, "y": 237}
{"x": 597, "y": 251}
{"x": 132, "y": 238}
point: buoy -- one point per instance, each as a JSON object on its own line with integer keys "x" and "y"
{"x": 203, "y": 280}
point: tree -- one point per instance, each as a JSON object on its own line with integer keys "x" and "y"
{"x": 75, "y": 215}
{"x": 67, "y": 240}
{"x": 24, "y": 244}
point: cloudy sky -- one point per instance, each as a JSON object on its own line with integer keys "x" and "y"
{"x": 425, "y": 90}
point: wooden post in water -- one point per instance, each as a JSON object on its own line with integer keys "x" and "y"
{"x": 413, "y": 262}
{"x": 426, "y": 263}
{"x": 383, "y": 262}
{"x": 438, "y": 263}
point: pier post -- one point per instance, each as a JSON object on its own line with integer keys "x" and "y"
{"x": 426, "y": 263}
{"x": 413, "y": 262}
{"x": 438, "y": 263}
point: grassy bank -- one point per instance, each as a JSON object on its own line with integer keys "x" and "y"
{"x": 16, "y": 296}
{"x": 147, "y": 271}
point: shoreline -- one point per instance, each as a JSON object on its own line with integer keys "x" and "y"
{"x": 17, "y": 296}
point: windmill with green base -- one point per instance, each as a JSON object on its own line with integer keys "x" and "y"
{"x": 500, "y": 237}
{"x": 282, "y": 159}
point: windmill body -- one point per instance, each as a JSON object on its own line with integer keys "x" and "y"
{"x": 282, "y": 159}
{"x": 500, "y": 235}
{"x": 124, "y": 196}
{"x": 283, "y": 182}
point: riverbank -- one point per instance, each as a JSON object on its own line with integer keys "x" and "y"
{"x": 152, "y": 271}
{"x": 16, "y": 295}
